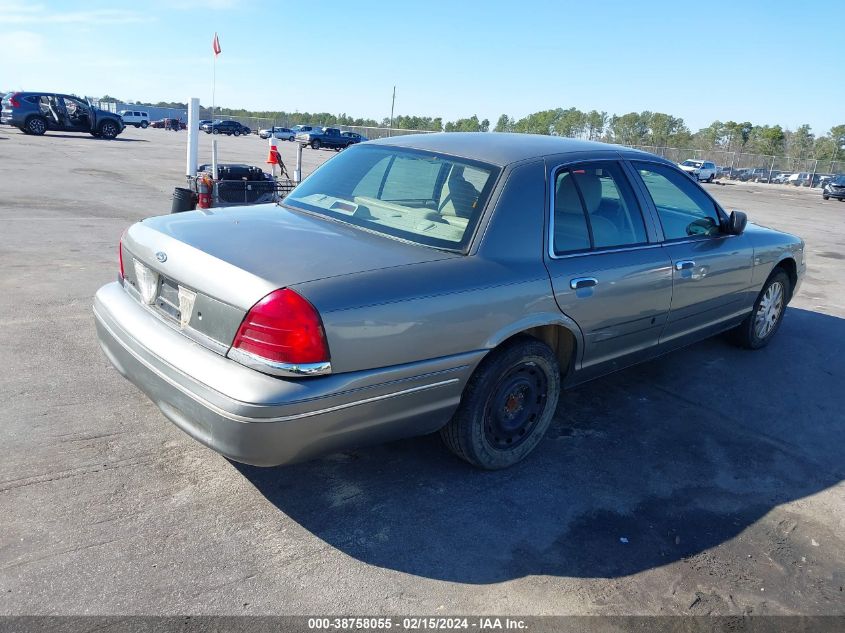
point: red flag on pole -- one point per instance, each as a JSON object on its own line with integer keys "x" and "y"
{"x": 216, "y": 45}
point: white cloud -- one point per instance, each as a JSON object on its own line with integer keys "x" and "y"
{"x": 24, "y": 44}
{"x": 20, "y": 13}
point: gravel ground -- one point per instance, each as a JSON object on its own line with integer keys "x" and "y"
{"x": 707, "y": 482}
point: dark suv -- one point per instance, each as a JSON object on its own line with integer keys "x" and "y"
{"x": 232, "y": 128}
{"x": 37, "y": 112}
{"x": 834, "y": 188}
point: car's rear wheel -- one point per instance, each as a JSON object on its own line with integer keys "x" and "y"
{"x": 144, "y": 124}
{"x": 215, "y": 131}
{"x": 315, "y": 144}
{"x": 36, "y": 125}
{"x": 507, "y": 405}
{"x": 108, "y": 129}
{"x": 762, "y": 324}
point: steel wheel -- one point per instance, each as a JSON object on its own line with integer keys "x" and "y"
{"x": 515, "y": 406}
{"x": 506, "y": 406}
{"x": 769, "y": 311}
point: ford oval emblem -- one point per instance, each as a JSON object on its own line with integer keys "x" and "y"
{"x": 161, "y": 256}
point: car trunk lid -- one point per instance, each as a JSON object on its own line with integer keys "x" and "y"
{"x": 202, "y": 271}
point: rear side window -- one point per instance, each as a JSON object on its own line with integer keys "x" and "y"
{"x": 684, "y": 209}
{"x": 594, "y": 207}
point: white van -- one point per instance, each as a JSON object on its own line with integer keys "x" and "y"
{"x": 135, "y": 117}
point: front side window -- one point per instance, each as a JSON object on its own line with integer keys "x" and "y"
{"x": 684, "y": 209}
{"x": 594, "y": 207}
{"x": 419, "y": 196}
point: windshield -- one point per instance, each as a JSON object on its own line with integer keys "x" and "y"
{"x": 691, "y": 163}
{"x": 419, "y": 196}
{"x": 838, "y": 180}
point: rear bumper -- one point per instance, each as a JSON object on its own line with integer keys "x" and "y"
{"x": 258, "y": 419}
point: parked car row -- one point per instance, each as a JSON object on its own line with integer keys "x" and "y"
{"x": 702, "y": 170}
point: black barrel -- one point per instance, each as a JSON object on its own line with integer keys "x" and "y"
{"x": 183, "y": 200}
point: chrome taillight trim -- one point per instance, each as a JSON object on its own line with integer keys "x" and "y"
{"x": 287, "y": 370}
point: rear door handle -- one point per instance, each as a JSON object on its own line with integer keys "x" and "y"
{"x": 684, "y": 265}
{"x": 582, "y": 282}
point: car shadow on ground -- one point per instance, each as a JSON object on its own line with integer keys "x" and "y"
{"x": 640, "y": 469}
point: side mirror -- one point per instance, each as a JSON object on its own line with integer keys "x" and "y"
{"x": 737, "y": 222}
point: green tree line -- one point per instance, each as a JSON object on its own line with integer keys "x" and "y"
{"x": 656, "y": 129}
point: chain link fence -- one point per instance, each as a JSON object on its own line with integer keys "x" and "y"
{"x": 735, "y": 162}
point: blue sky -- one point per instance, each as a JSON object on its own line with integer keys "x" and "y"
{"x": 764, "y": 61}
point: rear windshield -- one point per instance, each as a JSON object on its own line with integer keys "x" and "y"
{"x": 422, "y": 197}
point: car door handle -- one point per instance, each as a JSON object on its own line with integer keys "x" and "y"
{"x": 684, "y": 265}
{"x": 582, "y": 282}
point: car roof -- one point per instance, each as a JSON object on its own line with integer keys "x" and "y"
{"x": 501, "y": 148}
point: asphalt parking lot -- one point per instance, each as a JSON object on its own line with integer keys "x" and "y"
{"x": 706, "y": 482}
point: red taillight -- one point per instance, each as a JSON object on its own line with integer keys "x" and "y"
{"x": 120, "y": 255}
{"x": 283, "y": 328}
{"x": 13, "y": 100}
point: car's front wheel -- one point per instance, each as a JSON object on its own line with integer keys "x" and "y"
{"x": 36, "y": 125}
{"x": 108, "y": 130}
{"x": 507, "y": 405}
{"x": 762, "y": 324}
{"x": 215, "y": 131}
{"x": 825, "y": 197}
{"x": 290, "y": 138}
{"x": 315, "y": 144}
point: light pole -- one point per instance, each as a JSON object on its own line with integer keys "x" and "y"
{"x": 392, "y": 104}
{"x": 840, "y": 143}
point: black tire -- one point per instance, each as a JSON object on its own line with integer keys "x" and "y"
{"x": 710, "y": 179}
{"x": 237, "y": 132}
{"x": 215, "y": 131}
{"x": 290, "y": 139}
{"x": 748, "y": 333}
{"x": 94, "y": 134}
{"x": 36, "y": 125}
{"x": 507, "y": 405}
{"x": 315, "y": 144}
{"x": 108, "y": 130}
{"x": 824, "y": 197}
{"x": 23, "y": 129}
{"x": 144, "y": 124}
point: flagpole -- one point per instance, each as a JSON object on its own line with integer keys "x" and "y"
{"x": 213, "y": 84}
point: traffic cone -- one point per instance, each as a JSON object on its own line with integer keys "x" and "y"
{"x": 274, "y": 158}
